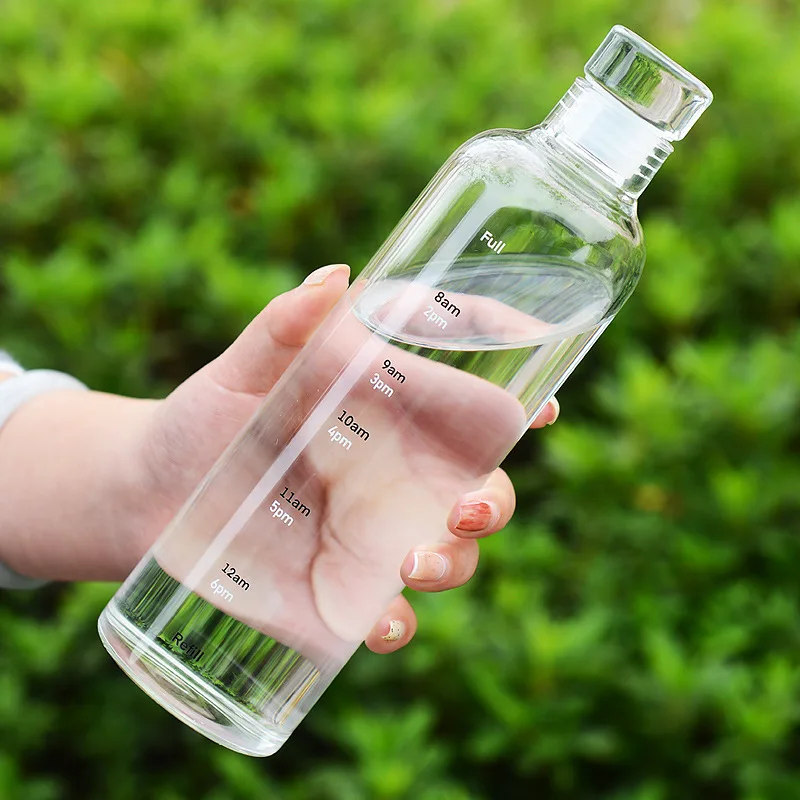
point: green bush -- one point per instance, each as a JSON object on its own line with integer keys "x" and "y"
{"x": 167, "y": 166}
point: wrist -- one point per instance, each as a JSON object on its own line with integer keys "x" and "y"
{"x": 74, "y": 481}
{"x": 123, "y": 525}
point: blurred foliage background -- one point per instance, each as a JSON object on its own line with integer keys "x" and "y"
{"x": 167, "y": 166}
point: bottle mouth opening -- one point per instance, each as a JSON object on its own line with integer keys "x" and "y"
{"x": 648, "y": 82}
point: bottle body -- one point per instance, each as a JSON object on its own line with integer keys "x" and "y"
{"x": 413, "y": 390}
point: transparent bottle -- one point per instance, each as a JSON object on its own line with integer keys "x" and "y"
{"x": 479, "y": 305}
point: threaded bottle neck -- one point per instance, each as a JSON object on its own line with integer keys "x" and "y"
{"x": 592, "y": 124}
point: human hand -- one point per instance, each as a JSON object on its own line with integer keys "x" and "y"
{"x": 188, "y": 431}
{"x": 90, "y": 480}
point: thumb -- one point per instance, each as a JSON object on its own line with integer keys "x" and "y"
{"x": 267, "y": 346}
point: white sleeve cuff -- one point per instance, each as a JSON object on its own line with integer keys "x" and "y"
{"x": 7, "y": 364}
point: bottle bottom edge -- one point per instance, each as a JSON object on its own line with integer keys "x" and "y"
{"x": 183, "y": 693}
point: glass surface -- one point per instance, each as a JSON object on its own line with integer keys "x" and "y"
{"x": 475, "y": 310}
{"x": 414, "y": 389}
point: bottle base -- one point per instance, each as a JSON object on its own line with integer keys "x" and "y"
{"x": 183, "y": 693}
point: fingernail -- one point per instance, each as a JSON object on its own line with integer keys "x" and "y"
{"x": 319, "y": 276}
{"x": 556, "y": 409}
{"x": 396, "y": 631}
{"x": 428, "y": 566}
{"x": 475, "y": 516}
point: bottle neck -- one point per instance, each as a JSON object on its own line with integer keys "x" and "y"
{"x": 595, "y": 127}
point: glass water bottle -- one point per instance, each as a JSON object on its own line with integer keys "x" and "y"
{"x": 476, "y": 309}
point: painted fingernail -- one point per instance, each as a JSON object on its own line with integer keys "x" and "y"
{"x": 319, "y": 276}
{"x": 396, "y": 631}
{"x": 475, "y": 516}
{"x": 556, "y": 410}
{"x": 428, "y": 566}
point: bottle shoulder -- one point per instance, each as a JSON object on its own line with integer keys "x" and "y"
{"x": 551, "y": 207}
{"x": 513, "y": 157}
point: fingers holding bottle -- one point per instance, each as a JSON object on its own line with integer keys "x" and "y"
{"x": 395, "y": 629}
{"x": 267, "y": 346}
